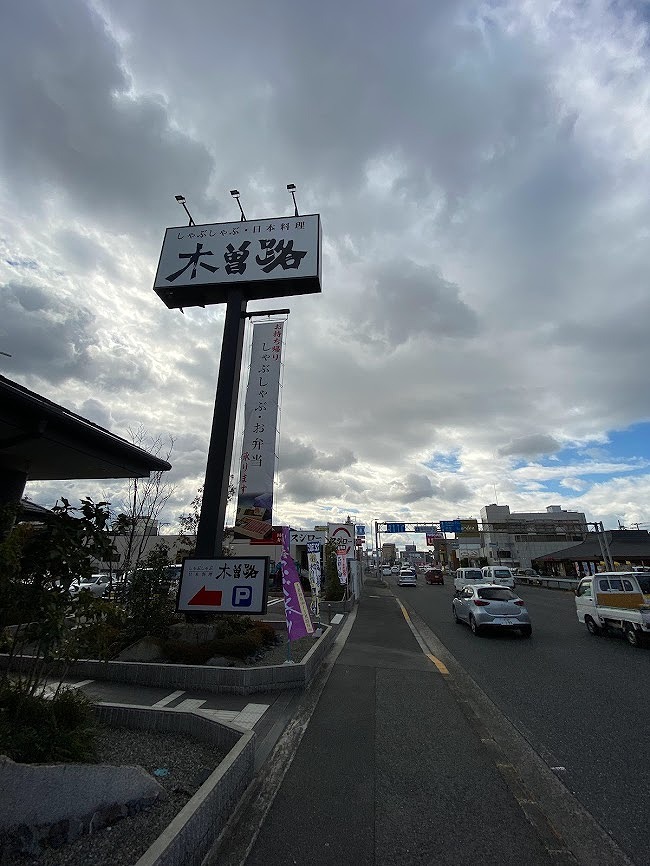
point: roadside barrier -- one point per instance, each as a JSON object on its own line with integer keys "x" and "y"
{"x": 566, "y": 583}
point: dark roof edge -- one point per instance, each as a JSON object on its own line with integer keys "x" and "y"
{"x": 70, "y": 419}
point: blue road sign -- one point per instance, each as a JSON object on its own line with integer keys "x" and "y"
{"x": 395, "y": 527}
{"x": 451, "y": 526}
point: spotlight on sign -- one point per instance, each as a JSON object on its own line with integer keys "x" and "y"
{"x": 181, "y": 200}
{"x": 235, "y": 194}
{"x": 292, "y": 189}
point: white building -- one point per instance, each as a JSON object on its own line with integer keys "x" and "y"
{"x": 515, "y": 539}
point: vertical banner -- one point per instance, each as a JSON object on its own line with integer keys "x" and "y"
{"x": 313, "y": 561}
{"x": 342, "y": 565}
{"x": 255, "y": 501}
{"x": 299, "y": 622}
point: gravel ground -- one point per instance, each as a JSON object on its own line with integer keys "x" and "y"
{"x": 189, "y": 762}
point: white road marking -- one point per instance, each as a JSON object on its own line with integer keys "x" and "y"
{"x": 189, "y": 704}
{"x": 250, "y": 715}
{"x": 167, "y": 700}
{"x": 274, "y": 601}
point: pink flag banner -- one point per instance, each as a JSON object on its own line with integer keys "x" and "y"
{"x": 299, "y": 622}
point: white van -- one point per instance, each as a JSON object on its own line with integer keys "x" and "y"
{"x": 466, "y": 576}
{"x": 616, "y": 599}
{"x": 498, "y": 574}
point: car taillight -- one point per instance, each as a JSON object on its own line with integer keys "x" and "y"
{"x": 479, "y": 602}
{"x": 520, "y": 602}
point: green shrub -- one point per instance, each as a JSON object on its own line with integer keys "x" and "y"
{"x": 34, "y": 729}
{"x": 240, "y": 646}
{"x": 180, "y": 652}
{"x": 269, "y": 634}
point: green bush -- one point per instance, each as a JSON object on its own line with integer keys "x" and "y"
{"x": 180, "y": 652}
{"x": 269, "y": 634}
{"x": 230, "y": 640}
{"x": 34, "y": 729}
{"x": 240, "y": 646}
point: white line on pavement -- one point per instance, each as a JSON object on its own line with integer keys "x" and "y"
{"x": 189, "y": 704}
{"x": 164, "y": 701}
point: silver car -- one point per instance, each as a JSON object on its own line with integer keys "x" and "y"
{"x": 407, "y": 577}
{"x": 485, "y": 606}
{"x": 96, "y": 584}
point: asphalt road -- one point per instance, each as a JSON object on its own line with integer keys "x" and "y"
{"x": 582, "y": 702}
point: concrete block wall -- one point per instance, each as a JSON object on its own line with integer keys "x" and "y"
{"x": 212, "y": 679}
{"x": 191, "y": 834}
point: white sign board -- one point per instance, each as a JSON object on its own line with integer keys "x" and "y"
{"x": 267, "y": 258}
{"x": 255, "y": 501}
{"x": 228, "y": 585}
{"x": 305, "y": 536}
{"x": 343, "y": 533}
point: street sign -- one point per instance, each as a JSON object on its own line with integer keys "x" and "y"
{"x": 269, "y": 258}
{"x": 395, "y": 527}
{"x": 451, "y": 526}
{"x": 361, "y": 530}
{"x": 428, "y": 530}
{"x": 227, "y": 585}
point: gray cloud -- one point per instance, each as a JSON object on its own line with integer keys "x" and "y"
{"x": 481, "y": 181}
{"x": 74, "y": 125}
{"x": 414, "y": 487}
{"x": 530, "y": 446}
{"x": 296, "y": 454}
{"x": 306, "y": 486}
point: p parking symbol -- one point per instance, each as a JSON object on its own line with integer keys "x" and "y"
{"x": 242, "y": 596}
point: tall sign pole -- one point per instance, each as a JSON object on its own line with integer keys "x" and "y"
{"x": 209, "y": 535}
{"x": 233, "y": 263}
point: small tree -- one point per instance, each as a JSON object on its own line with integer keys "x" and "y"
{"x": 189, "y": 524}
{"x": 137, "y": 518}
{"x": 334, "y": 589}
{"x": 38, "y": 565}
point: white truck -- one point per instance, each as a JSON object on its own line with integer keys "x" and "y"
{"x": 616, "y": 600}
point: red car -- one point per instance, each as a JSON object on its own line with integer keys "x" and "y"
{"x": 434, "y": 575}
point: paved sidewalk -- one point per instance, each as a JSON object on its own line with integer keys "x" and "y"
{"x": 389, "y": 770}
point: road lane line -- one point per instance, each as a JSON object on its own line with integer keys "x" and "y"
{"x": 441, "y": 667}
{"x": 164, "y": 701}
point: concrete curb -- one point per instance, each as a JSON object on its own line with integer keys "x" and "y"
{"x": 242, "y": 681}
{"x": 188, "y": 838}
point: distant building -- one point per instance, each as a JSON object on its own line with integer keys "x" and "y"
{"x": 388, "y": 552}
{"x": 516, "y": 539}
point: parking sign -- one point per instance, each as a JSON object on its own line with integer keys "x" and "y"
{"x": 235, "y": 584}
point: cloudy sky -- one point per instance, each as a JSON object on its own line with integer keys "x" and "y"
{"x": 482, "y": 174}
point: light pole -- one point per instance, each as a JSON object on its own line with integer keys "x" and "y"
{"x": 181, "y": 200}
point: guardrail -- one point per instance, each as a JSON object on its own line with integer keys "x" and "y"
{"x": 566, "y": 583}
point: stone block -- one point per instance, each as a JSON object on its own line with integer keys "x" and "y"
{"x": 43, "y": 795}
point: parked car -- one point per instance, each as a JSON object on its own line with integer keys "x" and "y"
{"x": 528, "y": 573}
{"x": 490, "y": 606}
{"x": 386, "y": 571}
{"x": 96, "y": 584}
{"x": 434, "y": 575}
{"x": 395, "y": 569}
{"x": 407, "y": 577}
{"x": 465, "y": 576}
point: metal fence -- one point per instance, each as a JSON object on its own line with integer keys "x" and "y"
{"x": 566, "y": 583}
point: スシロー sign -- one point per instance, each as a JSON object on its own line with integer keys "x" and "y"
{"x": 228, "y": 585}
{"x": 268, "y": 258}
